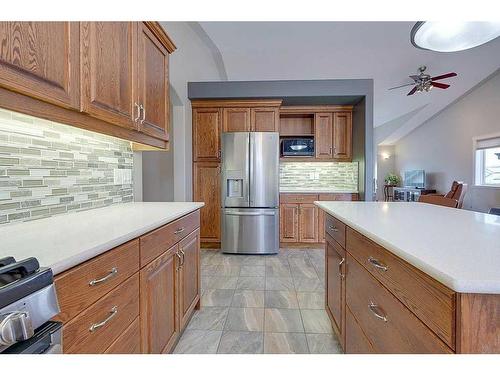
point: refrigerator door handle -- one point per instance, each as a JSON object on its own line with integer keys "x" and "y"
{"x": 250, "y": 213}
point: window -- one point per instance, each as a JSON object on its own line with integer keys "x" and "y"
{"x": 487, "y": 161}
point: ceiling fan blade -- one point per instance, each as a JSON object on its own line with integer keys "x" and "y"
{"x": 398, "y": 87}
{"x": 413, "y": 91}
{"x": 443, "y": 76}
{"x": 440, "y": 85}
{"x": 415, "y": 78}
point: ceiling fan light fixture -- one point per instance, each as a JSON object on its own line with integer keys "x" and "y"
{"x": 449, "y": 36}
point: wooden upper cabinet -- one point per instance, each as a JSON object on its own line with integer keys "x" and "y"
{"x": 153, "y": 90}
{"x": 308, "y": 223}
{"x": 206, "y": 134}
{"x": 236, "y": 119}
{"x": 342, "y": 135}
{"x": 41, "y": 60}
{"x": 323, "y": 135}
{"x": 158, "y": 300}
{"x": 189, "y": 276}
{"x": 108, "y": 71}
{"x": 264, "y": 119}
{"x": 206, "y": 188}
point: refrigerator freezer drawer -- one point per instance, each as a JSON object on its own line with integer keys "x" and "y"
{"x": 250, "y": 231}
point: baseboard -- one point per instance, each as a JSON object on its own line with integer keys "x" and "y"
{"x": 302, "y": 245}
{"x": 210, "y": 245}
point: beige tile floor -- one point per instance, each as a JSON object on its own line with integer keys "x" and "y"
{"x": 261, "y": 304}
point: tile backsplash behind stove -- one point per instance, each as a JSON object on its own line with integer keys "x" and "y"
{"x": 48, "y": 168}
{"x": 340, "y": 176}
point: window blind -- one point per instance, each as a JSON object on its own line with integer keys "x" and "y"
{"x": 482, "y": 144}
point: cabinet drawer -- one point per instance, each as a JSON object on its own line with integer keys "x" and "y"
{"x": 82, "y": 285}
{"x": 431, "y": 301}
{"x": 129, "y": 342}
{"x": 355, "y": 339}
{"x": 336, "y": 229}
{"x": 298, "y": 198}
{"x": 97, "y": 327}
{"x": 387, "y": 323}
{"x": 160, "y": 240}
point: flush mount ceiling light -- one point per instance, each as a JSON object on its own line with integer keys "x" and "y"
{"x": 453, "y": 36}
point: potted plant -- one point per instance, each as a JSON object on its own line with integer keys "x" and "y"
{"x": 392, "y": 179}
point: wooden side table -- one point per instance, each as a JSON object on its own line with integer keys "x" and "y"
{"x": 389, "y": 193}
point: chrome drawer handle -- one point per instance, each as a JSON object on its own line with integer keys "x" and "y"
{"x": 331, "y": 227}
{"x": 377, "y": 311}
{"x": 112, "y": 273}
{"x": 340, "y": 268}
{"x": 375, "y": 263}
{"x": 96, "y": 326}
{"x": 180, "y": 230}
{"x": 180, "y": 261}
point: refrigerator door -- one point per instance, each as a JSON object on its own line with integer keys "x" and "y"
{"x": 264, "y": 169}
{"x": 235, "y": 169}
{"x": 250, "y": 231}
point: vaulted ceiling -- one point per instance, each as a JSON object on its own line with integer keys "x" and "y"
{"x": 339, "y": 50}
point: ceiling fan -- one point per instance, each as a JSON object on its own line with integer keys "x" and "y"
{"x": 424, "y": 82}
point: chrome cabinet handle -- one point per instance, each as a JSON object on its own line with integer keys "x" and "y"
{"x": 138, "y": 112}
{"x": 143, "y": 117}
{"x": 183, "y": 257}
{"x": 180, "y": 230}
{"x": 342, "y": 275}
{"x": 331, "y": 227}
{"x": 377, "y": 311}
{"x": 112, "y": 273}
{"x": 375, "y": 263}
{"x": 113, "y": 312}
{"x": 180, "y": 260}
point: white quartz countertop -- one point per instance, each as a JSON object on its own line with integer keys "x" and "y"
{"x": 64, "y": 241}
{"x": 459, "y": 248}
{"x": 317, "y": 191}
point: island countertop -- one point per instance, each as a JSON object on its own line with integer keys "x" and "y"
{"x": 64, "y": 241}
{"x": 459, "y": 248}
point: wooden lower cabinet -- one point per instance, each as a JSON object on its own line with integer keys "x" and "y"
{"x": 206, "y": 188}
{"x": 189, "y": 277}
{"x": 134, "y": 298}
{"x": 289, "y": 222}
{"x": 308, "y": 223}
{"x": 159, "y": 291}
{"x": 335, "y": 286}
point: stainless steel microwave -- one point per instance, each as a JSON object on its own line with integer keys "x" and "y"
{"x": 297, "y": 147}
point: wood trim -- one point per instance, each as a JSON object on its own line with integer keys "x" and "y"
{"x": 235, "y": 103}
{"x": 210, "y": 244}
{"x": 478, "y": 323}
{"x": 302, "y": 245}
{"x": 303, "y": 109}
{"x": 33, "y": 107}
{"x": 161, "y": 34}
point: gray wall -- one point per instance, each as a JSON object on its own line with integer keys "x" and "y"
{"x": 309, "y": 91}
{"x": 443, "y": 145}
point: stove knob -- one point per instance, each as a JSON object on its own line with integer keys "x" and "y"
{"x": 15, "y": 327}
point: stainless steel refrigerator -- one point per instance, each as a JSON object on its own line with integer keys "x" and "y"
{"x": 250, "y": 192}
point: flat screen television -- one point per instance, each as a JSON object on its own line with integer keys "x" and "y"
{"x": 415, "y": 179}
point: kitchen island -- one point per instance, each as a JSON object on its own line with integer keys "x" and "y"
{"x": 127, "y": 276}
{"x": 412, "y": 278}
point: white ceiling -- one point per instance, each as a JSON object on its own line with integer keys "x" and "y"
{"x": 342, "y": 50}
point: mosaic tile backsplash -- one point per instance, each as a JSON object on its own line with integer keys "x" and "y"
{"x": 321, "y": 175}
{"x": 48, "y": 168}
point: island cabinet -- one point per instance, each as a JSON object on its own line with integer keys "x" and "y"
{"x": 135, "y": 298}
{"x": 109, "y": 77}
{"x": 379, "y": 303}
{"x": 301, "y": 222}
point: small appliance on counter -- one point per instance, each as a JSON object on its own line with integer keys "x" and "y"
{"x": 28, "y": 301}
{"x": 250, "y": 192}
{"x": 298, "y": 147}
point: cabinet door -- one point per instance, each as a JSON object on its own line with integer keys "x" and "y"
{"x": 159, "y": 324}
{"x": 109, "y": 71}
{"x": 264, "y": 119}
{"x": 308, "y": 222}
{"x": 342, "y": 135}
{"x": 335, "y": 284}
{"x": 153, "y": 84}
{"x": 236, "y": 119}
{"x": 321, "y": 225}
{"x": 206, "y": 181}
{"x": 323, "y": 135}
{"x": 289, "y": 222}
{"x": 41, "y": 60}
{"x": 189, "y": 276}
{"x": 206, "y": 134}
